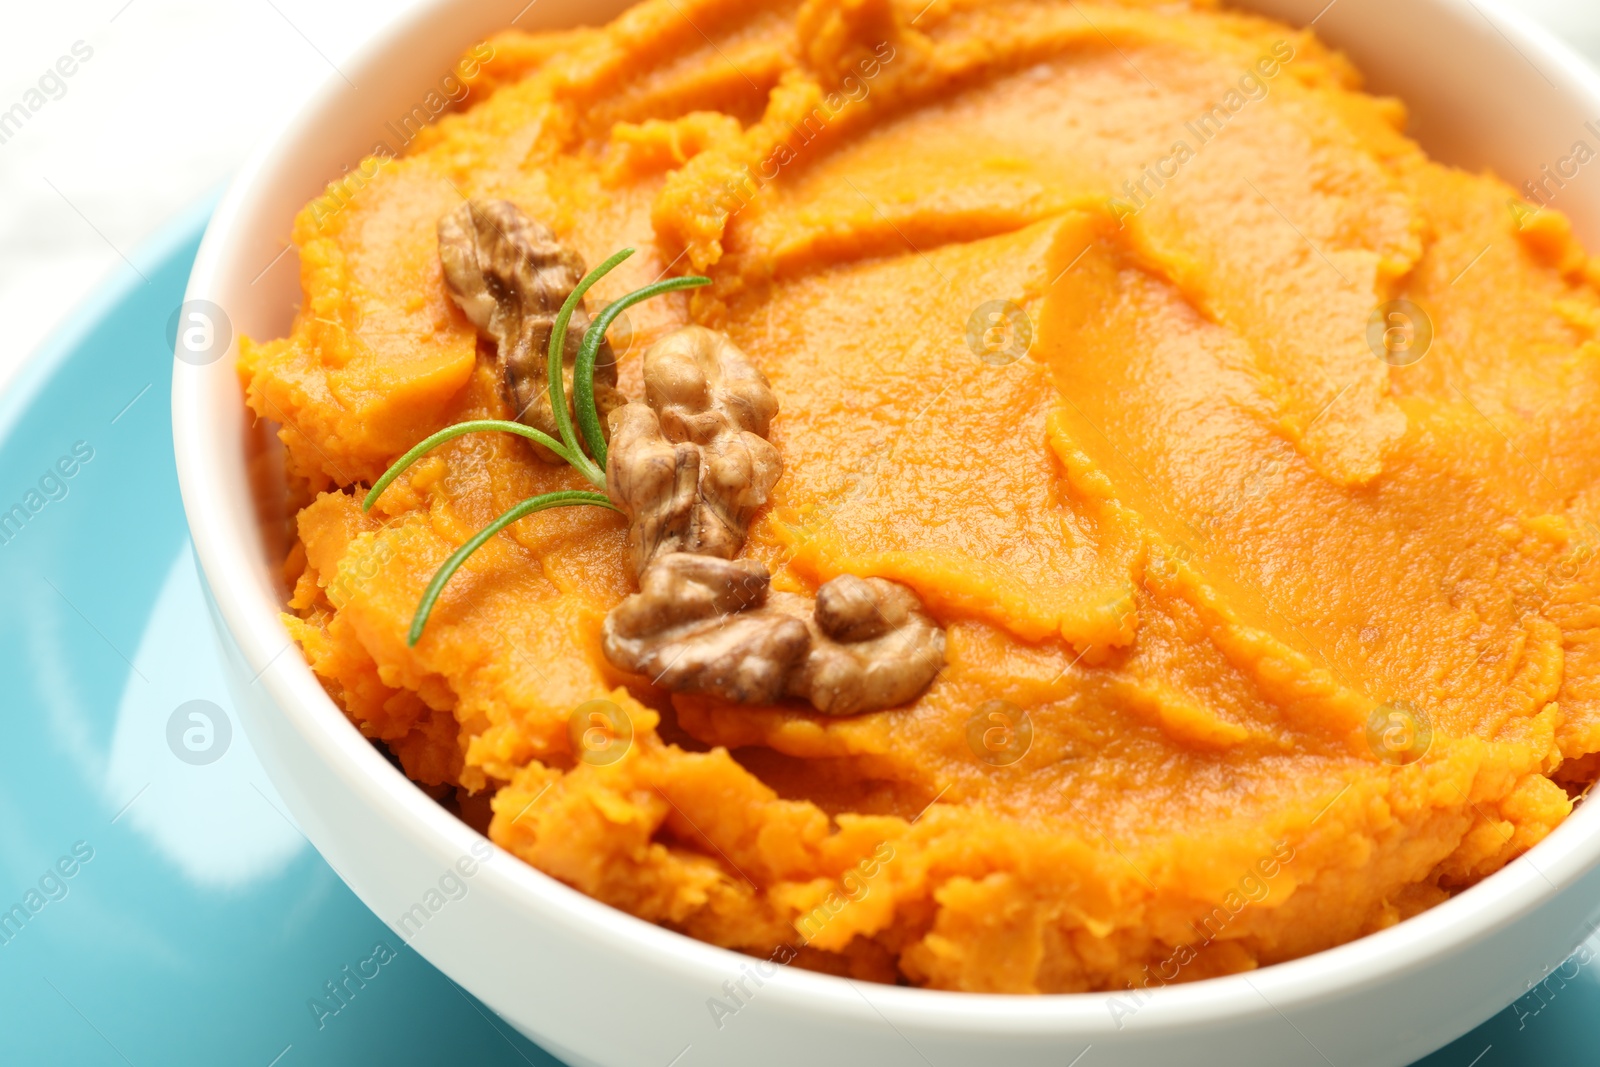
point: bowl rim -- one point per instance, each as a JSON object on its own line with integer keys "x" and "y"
{"x": 251, "y": 617}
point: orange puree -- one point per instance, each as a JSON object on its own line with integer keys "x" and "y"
{"x": 1238, "y": 572}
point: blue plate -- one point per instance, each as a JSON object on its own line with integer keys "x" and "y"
{"x": 157, "y": 904}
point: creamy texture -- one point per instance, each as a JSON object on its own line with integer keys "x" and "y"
{"x": 1230, "y": 563}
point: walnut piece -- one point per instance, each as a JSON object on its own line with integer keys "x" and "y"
{"x": 700, "y": 624}
{"x": 872, "y": 646}
{"x": 690, "y": 465}
{"x": 510, "y": 276}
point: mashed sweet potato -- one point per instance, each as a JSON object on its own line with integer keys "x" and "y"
{"x": 1257, "y": 641}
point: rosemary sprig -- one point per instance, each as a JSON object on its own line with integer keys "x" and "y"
{"x": 567, "y": 448}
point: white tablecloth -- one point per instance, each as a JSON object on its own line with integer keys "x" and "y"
{"x": 169, "y": 99}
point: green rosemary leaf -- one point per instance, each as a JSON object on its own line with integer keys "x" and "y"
{"x": 558, "y": 347}
{"x": 566, "y": 498}
{"x": 583, "y": 367}
{"x": 428, "y": 444}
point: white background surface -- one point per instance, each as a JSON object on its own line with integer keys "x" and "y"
{"x": 173, "y": 97}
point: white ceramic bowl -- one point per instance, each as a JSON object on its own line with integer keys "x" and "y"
{"x": 598, "y": 987}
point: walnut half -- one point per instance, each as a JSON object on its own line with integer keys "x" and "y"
{"x": 700, "y": 624}
{"x": 691, "y": 464}
{"x": 510, "y": 276}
